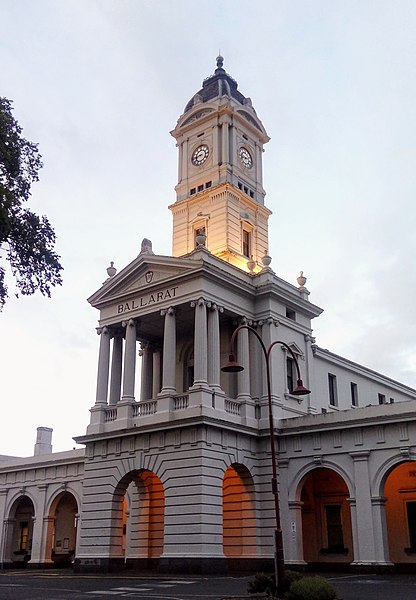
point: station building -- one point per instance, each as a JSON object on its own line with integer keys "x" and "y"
{"x": 175, "y": 476}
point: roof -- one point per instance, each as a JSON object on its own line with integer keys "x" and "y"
{"x": 217, "y": 85}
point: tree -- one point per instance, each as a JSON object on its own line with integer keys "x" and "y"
{"x": 26, "y": 240}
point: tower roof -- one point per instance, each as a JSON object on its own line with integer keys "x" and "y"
{"x": 217, "y": 85}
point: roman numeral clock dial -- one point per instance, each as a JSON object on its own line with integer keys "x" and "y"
{"x": 200, "y": 155}
{"x": 245, "y": 157}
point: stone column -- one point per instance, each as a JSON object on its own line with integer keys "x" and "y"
{"x": 129, "y": 361}
{"x": 156, "y": 374}
{"x": 364, "y": 548}
{"x": 214, "y": 351}
{"x": 116, "y": 369}
{"x": 169, "y": 352}
{"x": 103, "y": 366}
{"x": 7, "y": 543}
{"x": 243, "y": 357}
{"x": 293, "y": 534}
{"x": 269, "y": 335}
{"x": 381, "y": 540}
{"x": 38, "y": 545}
{"x": 146, "y": 373}
{"x": 3, "y": 523}
{"x": 256, "y": 363}
{"x": 200, "y": 343}
{"x": 225, "y": 157}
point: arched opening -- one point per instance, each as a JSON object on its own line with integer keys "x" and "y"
{"x": 239, "y": 521}
{"x": 138, "y": 519}
{"x": 18, "y": 533}
{"x": 62, "y": 530}
{"x": 326, "y": 518}
{"x": 400, "y": 494}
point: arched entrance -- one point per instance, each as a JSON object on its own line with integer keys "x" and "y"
{"x": 18, "y": 533}
{"x": 62, "y": 529}
{"x": 400, "y": 494}
{"x": 138, "y": 517}
{"x": 326, "y": 518}
{"x": 239, "y": 521}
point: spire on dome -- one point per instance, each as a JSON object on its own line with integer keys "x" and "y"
{"x": 220, "y": 62}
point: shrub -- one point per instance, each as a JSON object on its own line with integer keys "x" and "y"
{"x": 311, "y": 588}
{"x": 261, "y": 583}
{"x": 264, "y": 583}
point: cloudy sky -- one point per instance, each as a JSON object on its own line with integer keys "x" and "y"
{"x": 100, "y": 83}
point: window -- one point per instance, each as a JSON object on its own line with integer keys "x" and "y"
{"x": 290, "y": 314}
{"x": 200, "y": 187}
{"x": 334, "y": 528}
{"x": 354, "y": 394}
{"x": 208, "y": 184}
{"x": 391, "y": 400}
{"x": 193, "y": 191}
{"x": 23, "y": 535}
{"x": 246, "y": 243}
{"x": 411, "y": 523}
{"x": 290, "y": 374}
{"x": 381, "y": 399}
{"x": 332, "y": 388}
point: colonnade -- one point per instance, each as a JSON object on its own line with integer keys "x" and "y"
{"x": 116, "y": 377}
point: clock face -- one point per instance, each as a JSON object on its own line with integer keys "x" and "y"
{"x": 245, "y": 157}
{"x": 200, "y": 155}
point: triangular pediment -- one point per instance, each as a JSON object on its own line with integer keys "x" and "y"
{"x": 145, "y": 272}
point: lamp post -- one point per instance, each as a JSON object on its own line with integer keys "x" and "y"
{"x": 234, "y": 367}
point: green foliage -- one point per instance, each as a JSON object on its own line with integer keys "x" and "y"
{"x": 291, "y": 576}
{"x": 265, "y": 583}
{"x": 262, "y": 583}
{"x": 311, "y": 588}
{"x": 26, "y": 240}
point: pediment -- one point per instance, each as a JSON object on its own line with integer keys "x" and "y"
{"x": 143, "y": 274}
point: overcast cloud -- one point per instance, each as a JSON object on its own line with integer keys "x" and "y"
{"x": 100, "y": 83}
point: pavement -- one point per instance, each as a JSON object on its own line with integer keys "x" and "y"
{"x": 64, "y": 585}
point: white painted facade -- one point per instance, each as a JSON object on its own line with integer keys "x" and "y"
{"x": 176, "y": 475}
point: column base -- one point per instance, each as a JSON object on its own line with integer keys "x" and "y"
{"x": 98, "y": 565}
{"x": 193, "y": 566}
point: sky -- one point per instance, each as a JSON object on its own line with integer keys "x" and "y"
{"x": 99, "y": 84}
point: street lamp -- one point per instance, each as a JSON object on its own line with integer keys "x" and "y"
{"x": 300, "y": 390}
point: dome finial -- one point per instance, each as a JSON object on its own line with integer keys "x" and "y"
{"x": 220, "y": 60}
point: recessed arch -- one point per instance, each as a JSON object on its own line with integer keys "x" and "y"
{"x": 138, "y": 513}
{"x": 296, "y": 484}
{"x": 326, "y": 517}
{"x": 61, "y": 534}
{"x": 399, "y": 492}
{"x": 239, "y": 520}
{"x": 18, "y": 531}
{"x": 384, "y": 470}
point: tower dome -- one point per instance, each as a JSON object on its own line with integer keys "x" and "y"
{"x": 217, "y": 85}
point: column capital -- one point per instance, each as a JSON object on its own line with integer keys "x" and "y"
{"x": 199, "y": 302}
{"x": 271, "y": 321}
{"x": 144, "y": 346}
{"x": 129, "y": 323}
{"x": 167, "y": 311}
{"x": 214, "y": 307}
{"x": 360, "y": 455}
{"x": 101, "y": 330}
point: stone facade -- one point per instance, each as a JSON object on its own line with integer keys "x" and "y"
{"x": 176, "y": 475}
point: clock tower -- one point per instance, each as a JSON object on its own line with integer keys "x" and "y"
{"x": 220, "y": 195}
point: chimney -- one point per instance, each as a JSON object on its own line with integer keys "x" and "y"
{"x": 43, "y": 441}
